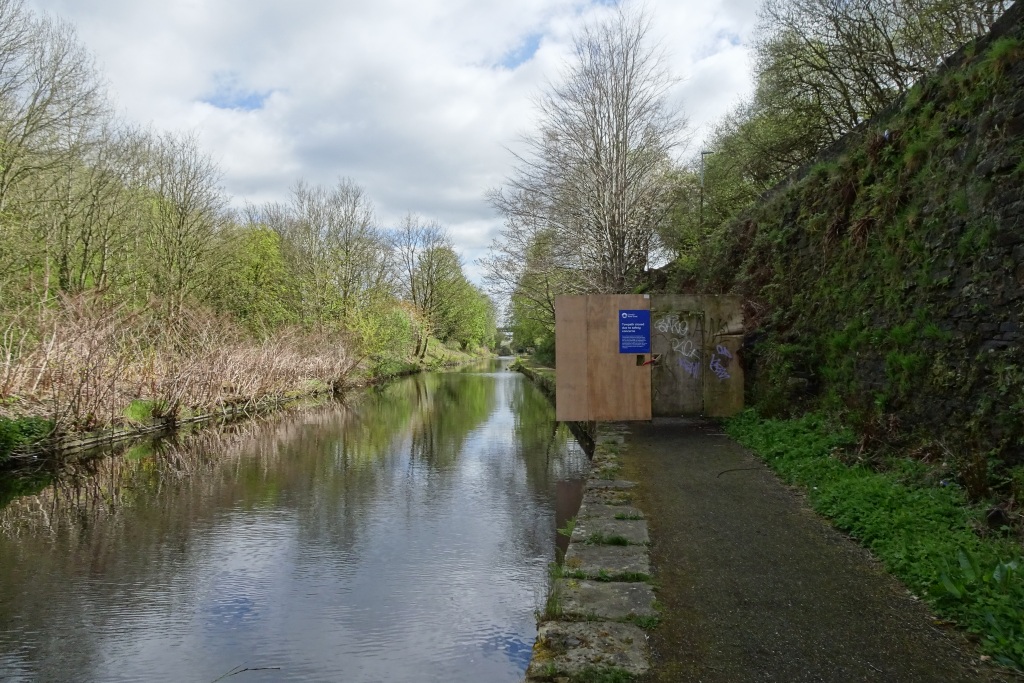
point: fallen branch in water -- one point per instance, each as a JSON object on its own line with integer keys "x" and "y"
{"x": 238, "y": 670}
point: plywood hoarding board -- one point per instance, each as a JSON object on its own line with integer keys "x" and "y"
{"x": 594, "y": 381}
{"x": 620, "y": 387}
{"x": 572, "y": 402}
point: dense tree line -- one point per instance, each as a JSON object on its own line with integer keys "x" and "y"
{"x": 96, "y": 213}
{"x": 822, "y": 67}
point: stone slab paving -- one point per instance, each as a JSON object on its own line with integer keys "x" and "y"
{"x": 608, "y": 600}
{"x": 609, "y": 542}
{"x": 606, "y": 497}
{"x": 593, "y": 529}
{"x": 598, "y": 511}
{"x": 569, "y": 648}
{"x": 608, "y": 562}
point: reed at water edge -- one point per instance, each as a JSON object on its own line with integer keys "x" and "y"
{"x": 84, "y": 364}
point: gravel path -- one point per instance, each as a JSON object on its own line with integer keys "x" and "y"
{"x": 756, "y": 587}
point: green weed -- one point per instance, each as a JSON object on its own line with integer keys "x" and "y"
{"x": 925, "y": 535}
{"x": 645, "y": 622}
{"x": 1003, "y": 53}
{"x": 598, "y": 538}
{"x": 628, "y": 516}
{"x": 140, "y": 410}
{"x": 570, "y": 525}
{"x": 22, "y": 433}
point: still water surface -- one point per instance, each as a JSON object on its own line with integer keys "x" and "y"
{"x": 404, "y": 538}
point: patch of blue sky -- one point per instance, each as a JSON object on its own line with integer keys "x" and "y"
{"x": 729, "y": 37}
{"x": 228, "y": 93}
{"x": 720, "y": 42}
{"x": 235, "y": 99}
{"x": 524, "y": 52}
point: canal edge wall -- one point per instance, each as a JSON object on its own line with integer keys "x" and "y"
{"x": 600, "y": 598}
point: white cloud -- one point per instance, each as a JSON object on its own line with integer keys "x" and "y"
{"x": 416, "y": 101}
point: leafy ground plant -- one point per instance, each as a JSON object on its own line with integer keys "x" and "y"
{"x": 925, "y": 535}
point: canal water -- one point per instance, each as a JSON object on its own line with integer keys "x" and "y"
{"x": 404, "y": 537}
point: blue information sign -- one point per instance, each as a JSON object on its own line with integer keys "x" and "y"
{"x": 634, "y": 331}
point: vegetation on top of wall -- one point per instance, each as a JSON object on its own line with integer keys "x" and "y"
{"x": 885, "y": 284}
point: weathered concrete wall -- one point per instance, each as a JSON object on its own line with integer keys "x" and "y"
{"x": 887, "y": 281}
{"x": 696, "y": 342}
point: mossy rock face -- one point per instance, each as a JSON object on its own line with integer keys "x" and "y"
{"x": 887, "y": 283}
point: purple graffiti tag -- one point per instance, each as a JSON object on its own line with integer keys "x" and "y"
{"x": 719, "y": 369}
{"x": 723, "y": 351}
{"x": 692, "y": 367}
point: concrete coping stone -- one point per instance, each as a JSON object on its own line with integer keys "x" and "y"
{"x": 592, "y": 529}
{"x": 619, "y": 484}
{"x": 569, "y": 648}
{"x": 606, "y": 497}
{"x": 608, "y": 562}
{"x": 609, "y": 600}
{"x": 598, "y": 511}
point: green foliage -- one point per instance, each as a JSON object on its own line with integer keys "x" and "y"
{"x": 21, "y": 433}
{"x": 468, "y": 316}
{"x": 251, "y": 280}
{"x": 925, "y": 535}
{"x": 567, "y": 530}
{"x": 598, "y": 538}
{"x": 142, "y": 411}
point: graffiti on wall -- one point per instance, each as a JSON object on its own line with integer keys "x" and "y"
{"x": 684, "y": 341}
{"x": 681, "y": 337}
{"x": 719, "y": 360}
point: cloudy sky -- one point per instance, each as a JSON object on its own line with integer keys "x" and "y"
{"x": 418, "y": 101}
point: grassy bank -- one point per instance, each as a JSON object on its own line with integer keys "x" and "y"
{"x": 950, "y": 552}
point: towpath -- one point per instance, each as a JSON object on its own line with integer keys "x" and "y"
{"x": 756, "y": 587}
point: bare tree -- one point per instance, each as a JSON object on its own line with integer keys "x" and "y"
{"x": 49, "y": 92}
{"x": 51, "y": 104}
{"x": 332, "y": 241}
{"x": 595, "y": 173}
{"x": 427, "y": 269}
{"x": 835, "y": 63}
{"x": 85, "y": 207}
{"x": 186, "y": 207}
